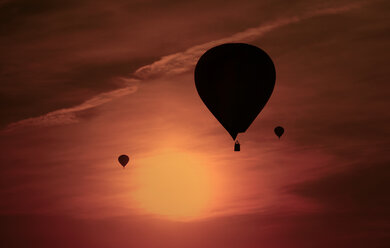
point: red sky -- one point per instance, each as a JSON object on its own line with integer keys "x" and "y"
{"x": 85, "y": 81}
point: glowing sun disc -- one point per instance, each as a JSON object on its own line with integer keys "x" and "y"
{"x": 173, "y": 185}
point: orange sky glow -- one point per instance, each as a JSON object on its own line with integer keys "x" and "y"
{"x": 83, "y": 82}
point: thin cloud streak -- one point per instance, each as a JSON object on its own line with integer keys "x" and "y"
{"x": 69, "y": 115}
{"x": 169, "y": 65}
{"x": 184, "y": 61}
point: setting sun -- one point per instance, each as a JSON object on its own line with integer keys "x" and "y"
{"x": 173, "y": 185}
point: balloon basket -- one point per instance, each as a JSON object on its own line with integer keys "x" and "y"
{"x": 236, "y": 146}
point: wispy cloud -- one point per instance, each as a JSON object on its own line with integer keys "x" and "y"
{"x": 171, "y": 64}
{"x": 184, "y": 61}
{"x": 69, "y": 115}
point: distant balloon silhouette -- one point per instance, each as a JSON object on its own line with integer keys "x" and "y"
{"x": 279, "y": 131}
{"x": 235, "y": 81}
{"x": 123, "y": 160}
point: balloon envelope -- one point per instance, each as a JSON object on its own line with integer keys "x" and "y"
{"x": 235, "y": 81}
{"x": 123, "y": 160}
{"x": 279, "y": 131}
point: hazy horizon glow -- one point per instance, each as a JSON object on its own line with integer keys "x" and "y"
{"x": 83, "y": 82}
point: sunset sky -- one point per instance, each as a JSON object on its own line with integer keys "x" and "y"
{"x": 82, "y": 82}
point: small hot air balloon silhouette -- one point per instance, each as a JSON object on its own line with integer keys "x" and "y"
{"x": 235, "y": 81}
{"x": 123, "y": 160}
{"x": 279, "y": 131}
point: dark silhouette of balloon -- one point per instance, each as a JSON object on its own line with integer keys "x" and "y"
{"x": 235, "y": 81}
{"x": 279, "y": 131}
{"x": 123, "y": 160}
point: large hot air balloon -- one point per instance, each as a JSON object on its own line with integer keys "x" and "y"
{"x": 235, "y": 81}
{"x": 123, "y": 160}
{"x": 279, "y": 131}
